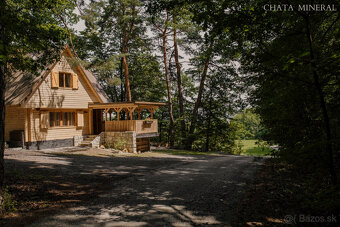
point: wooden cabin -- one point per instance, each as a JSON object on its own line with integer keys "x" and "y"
{"x": 65, "y": 105}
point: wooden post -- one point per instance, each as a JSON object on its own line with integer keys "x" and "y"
{"x": 130, "y": 112}
{"x": 106, "y": 111}
{"x": 26, "y": 125}
{"x": 29, "y": 115}
{"x": 151, "y": 109}
{"x": 131, "y": 115}
{"x": 117, "y": 111}
{"x": 139, "y": 110}
{"x": 90, "y": 121}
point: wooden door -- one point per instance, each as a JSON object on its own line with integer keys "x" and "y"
{"x": 97, "y": 122}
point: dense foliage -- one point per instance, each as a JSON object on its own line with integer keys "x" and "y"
{"x": 208, "y": 60}
{"x": 248, "y": 125}
{"x": 32, "y": 33}
{"x": 290, "y": 62}
{"x": 166, "y": 51}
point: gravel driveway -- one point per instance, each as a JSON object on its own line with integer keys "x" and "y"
{"x": 159, "y": 190}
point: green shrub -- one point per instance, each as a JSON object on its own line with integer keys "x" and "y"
{"x": 238, "y": 148}
{"x": 120, "y": 144}
{"x": 8, "y": 203}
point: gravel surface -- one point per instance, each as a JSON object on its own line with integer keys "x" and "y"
{"x": 157, "y": 190}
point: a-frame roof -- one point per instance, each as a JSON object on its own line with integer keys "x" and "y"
{"x": 22, "y": 85}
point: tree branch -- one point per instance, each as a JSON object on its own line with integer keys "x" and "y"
{"x": 70, "y": 35}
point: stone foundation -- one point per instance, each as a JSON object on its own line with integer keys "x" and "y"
{"x": 37, "y": 145}
{"x": 97, "y": 141}
{"x": 77, "y": 140}
{"x": 119, "y": 140}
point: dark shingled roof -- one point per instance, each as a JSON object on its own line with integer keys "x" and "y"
{"x": 95, "y": 84}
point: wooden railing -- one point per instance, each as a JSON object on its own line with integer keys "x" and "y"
{"x": 139, "y": 126}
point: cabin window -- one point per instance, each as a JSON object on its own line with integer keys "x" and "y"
{"x": 57, "y": 119}
{"x": 62, "y": 119}
{"x": 65, "y": 80}
{"x": 51, "y": 119}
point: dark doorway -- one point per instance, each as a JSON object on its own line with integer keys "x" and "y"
{"x": 98, "y": 123}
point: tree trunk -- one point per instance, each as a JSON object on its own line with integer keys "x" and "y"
{"x": 122, "y": 91}
{"x": 126, "y": 68}
{"x": 179, "y": 85}
{"x": 199, "y": 96}
{"x": 207, "y": 141}
{"x": 3, "y": 72}
{"x": 160, "y": 128}
{"x": 325, "y": 115}
{"x": 127, "y": 81}
{"x": 167, "y": 79}
{"x": 2, "y": 124}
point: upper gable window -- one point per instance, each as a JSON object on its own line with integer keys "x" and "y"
{"x": 64, "y": 79}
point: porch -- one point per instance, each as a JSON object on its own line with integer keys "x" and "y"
{"x": 124, "y": 116}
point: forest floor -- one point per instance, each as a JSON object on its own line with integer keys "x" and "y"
{"x": 152, "y": 188}
{"x": 281, "y": 196}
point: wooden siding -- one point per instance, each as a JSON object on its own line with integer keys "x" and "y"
{"x": 142, "y": 128}
{"x": 143, "y": 144}
{"x": 131, "y": 125}
{"x": 15, "y": 120}
{"x": 39, "y": 134}
{"x": 120, "y": 126}
{"x": 48, "y": 97}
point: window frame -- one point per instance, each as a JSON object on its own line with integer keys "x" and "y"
{"x": 52, "y": 124}
{"x": 64, "y": 79}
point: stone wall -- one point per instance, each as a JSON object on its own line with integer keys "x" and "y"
{"x": 97, "y": 141}
{"x": 38, "y": 145}
{"x": 119, "y": 140}
{"x": 77, "y": 140}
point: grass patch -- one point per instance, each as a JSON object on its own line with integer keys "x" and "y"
{"x": 243, "y": 147}
{"x": 253, "y": 147}
{"x": 184, "y": 152}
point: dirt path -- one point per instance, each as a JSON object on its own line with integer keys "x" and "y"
{"x": 151, "y": 191}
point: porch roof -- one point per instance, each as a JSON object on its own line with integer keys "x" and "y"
{"x": 135, "y": 104}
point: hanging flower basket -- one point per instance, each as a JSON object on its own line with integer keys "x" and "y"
{"x": 147, "y": 123}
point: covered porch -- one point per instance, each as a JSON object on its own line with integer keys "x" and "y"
{"x": 124, "y": 116}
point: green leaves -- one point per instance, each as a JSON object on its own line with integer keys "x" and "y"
{"x": 31, "y": 27}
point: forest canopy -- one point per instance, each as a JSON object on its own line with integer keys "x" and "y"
{"x": 208, "y": 60}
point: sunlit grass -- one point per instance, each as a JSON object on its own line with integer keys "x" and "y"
{"x": 184, "y": 152}
{"x": 249, "y": 147}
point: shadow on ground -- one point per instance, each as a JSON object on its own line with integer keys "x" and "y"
{"x": 130, "y": 191}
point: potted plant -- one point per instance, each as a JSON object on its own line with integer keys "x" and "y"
{"x": 147, "y": 123}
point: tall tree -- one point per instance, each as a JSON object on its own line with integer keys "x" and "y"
{"x": 113, "y": 25}
{"x": 127, "y": 21}
{"x": 102, "y": 43}
{"x": 207, "y": 58}
{"x": 291, "y": 59}
{"x": 163, "y": 32}
{"x": 179, "y": 81}
{"x": 31, "y": 35}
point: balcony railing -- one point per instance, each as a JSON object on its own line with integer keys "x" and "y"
{"x": 139, "y": 126}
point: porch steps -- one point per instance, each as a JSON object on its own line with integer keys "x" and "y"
{"x": 87, "y": 142}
